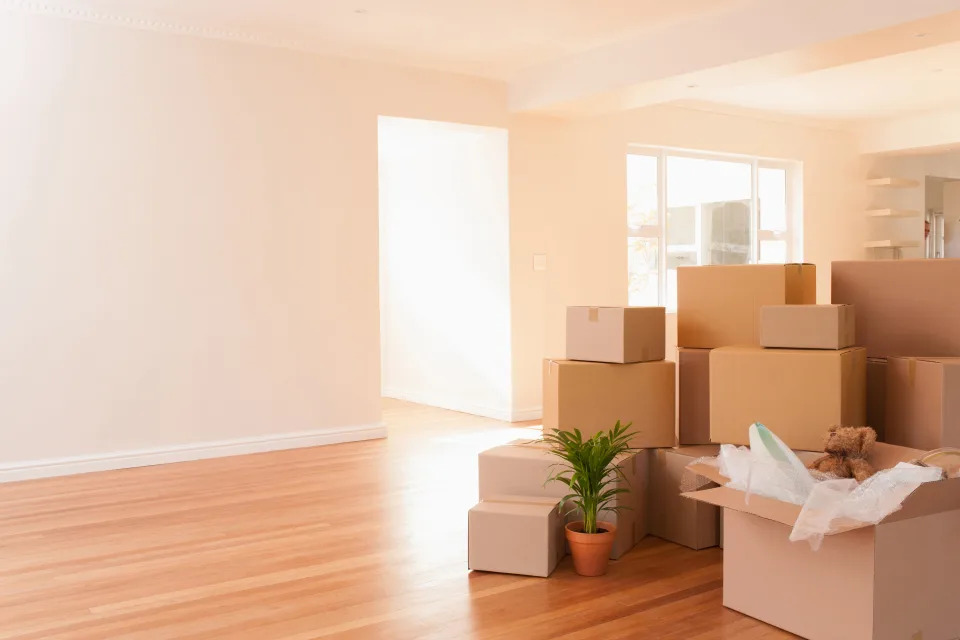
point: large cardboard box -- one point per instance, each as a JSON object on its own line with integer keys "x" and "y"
{"x": 719, "y": 306}
{"x": 693, "y": 366}
{"x": 670, "y": 515}
{"x": 807, "y": 326}
{"x": 877, "y": 396}
{"x": 592, "y": 396}
{"x": 522, "y": 467}
{"x": 515, "y": 534}
{"x": 923, "y": 402}
{"x": 616, "y": 334}
{"x": 798, "y": 394}
{"x": 904, "y": 307}
{"x": 892, "y": 581}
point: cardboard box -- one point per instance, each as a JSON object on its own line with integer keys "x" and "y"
{"x": 719, "y": 306}
{"x": 923, "y": 402}
{"x": 592, "y": 396}
{"x": 522, "y": 467}
{"x": 798, "y": 394}
{"x": 616, "y": 334}
{"x": 670, "y": 515}
{"x": 693, "y": 388}
{"x": 877, "y": 396}
{"x": 519, "y": 468}
{"x": 807, "y": 326}
{"x": 515, "y": 534}
{"x": 904, "y": 307}
{"x": 891, "y": 581}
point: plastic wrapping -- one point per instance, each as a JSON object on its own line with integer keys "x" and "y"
{"x": 768, "y": 468}
{"x": 833, "y": 502}
{"x": 830, "y": 505}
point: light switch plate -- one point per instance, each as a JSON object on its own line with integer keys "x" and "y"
{"x": 539, "y": 262}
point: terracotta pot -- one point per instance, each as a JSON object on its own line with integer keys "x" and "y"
{"x": 590, "y": 551}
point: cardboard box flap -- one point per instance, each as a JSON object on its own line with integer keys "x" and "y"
{"x": 929, "y": 498}
{"x": 767, "y": 508}
{"x": 887, "y": 456}
{"x": 708, "y": 471}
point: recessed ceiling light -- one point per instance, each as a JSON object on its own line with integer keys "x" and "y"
{"x": 360, "y": 11}
{"x": 922, "y": 34}
{"x": 692, "y": 86}
{"x": 938, "y": 70}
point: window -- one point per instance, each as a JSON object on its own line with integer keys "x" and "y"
{"x": 689, "y": 208}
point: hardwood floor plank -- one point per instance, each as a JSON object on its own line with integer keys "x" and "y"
{"x": 357, "y": 541}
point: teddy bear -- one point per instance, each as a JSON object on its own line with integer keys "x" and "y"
{"x": 846, "y": 450}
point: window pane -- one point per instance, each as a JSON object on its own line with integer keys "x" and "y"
{"x": 772, "y": 192}
{"x": 773, "y": 251}
{"x": 708, "y": 214}
{"x": 642, "y": 264}
{"x": 641, "y": 192}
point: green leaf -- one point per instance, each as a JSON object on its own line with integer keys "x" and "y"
{"x": 589, "y": 469}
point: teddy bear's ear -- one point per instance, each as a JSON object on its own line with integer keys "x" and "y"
{"x": 833, "y": 429}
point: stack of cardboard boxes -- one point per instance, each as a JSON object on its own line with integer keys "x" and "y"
{"x": 866, "y": 581}
{"x": 616, "y": 371}
{"x": 909, "y": 322}
{"x": 754, "y": 347}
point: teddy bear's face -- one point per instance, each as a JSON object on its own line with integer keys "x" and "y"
{"x": 850, "y": 441}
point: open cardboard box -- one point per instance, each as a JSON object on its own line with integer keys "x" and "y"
{"x": 895, "y": 580}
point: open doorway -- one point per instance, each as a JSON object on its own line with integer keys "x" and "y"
{"x": 942, "y": 217}
{"x": 445, "y": 265}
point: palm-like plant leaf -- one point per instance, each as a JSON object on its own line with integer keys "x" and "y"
{"x": 589, "y": 469}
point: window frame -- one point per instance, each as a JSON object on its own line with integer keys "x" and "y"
{"x": 793, "y": 194}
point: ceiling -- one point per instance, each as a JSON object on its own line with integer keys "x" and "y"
{"x": 916, "y": 81}
{"x": 490, "y": 38}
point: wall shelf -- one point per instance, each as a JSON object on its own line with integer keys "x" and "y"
{"x": 893, "y": 213}
{"x": 900, "y": 183}
{"x": 891, "y": 244}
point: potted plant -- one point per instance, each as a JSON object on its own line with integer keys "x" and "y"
{"x": 589, "y": 469}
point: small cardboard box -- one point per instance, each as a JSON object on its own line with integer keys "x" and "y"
{"x": 923, "y": 402}
{"x": 799, "y": 394}
{"x": 719, "y": 306}
{"x": 522, "y": 467}
{"x": 616, "y": 334}
{"x": 515, "y": 534}
{"x": 892, "y": 581}
{"x": 904, "y": 307}
{"x": 693, "y": 366}
{"x": 670, "y": 515}
{"x": 592, "y": 396}
{"x": 877, "y": 396}
{"x": 519, "y": 468}
{"x": 807, "y": 326}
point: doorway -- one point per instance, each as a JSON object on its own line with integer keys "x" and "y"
{"x": 445, "y": 265}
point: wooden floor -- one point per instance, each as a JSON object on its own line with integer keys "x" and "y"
{"x": 364, "y": 540}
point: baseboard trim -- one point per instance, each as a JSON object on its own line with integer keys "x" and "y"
{"x": 53, "y": 467}
{"x": 523, "y": 415}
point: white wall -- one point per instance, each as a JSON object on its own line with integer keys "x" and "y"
{"x": 188, "y": 235}
{"x": 188, "y": 242}
{"x": 445, "y": 266}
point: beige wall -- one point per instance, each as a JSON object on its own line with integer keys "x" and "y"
{"x": 188, "y": 238}
{"x": 188, "y": 249}
{"x": 585, "y": 232}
